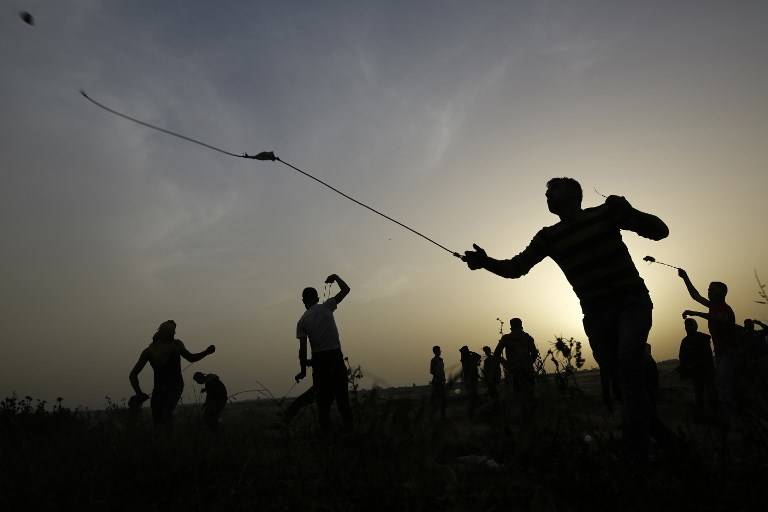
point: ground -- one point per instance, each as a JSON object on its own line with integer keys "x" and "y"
{"x": 400, "y": 457}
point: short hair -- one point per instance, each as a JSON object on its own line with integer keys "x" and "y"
{"x": 721, "y": 287}
{"x": 569, "y": 183}
{"x": 436, "y": 348}
{"x": 516, "y": 322}
{"x": 689, "y": 321}
{"x": 486, "y": 348}
{"x": 309, "y": 294}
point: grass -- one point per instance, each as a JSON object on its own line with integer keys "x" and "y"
{"x": 398, "y": 459}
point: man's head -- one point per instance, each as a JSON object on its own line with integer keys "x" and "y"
{"x": 436, "y": 350}
{"x": 199, "y": 377}
{"x": 515, "y": 324}
{"x": 166, "y": 331}
{"x": 487, "y": 351}
{"x": 464, "y": 350}
{"x": 717, "y": 292}
{"x": 563, "y": 195}
{"x": 309, "y": 297}
{"x": 691, "y": 326}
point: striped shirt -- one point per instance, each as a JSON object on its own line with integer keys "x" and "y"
{"x": 589, "y": 250}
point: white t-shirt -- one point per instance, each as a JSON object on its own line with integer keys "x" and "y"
{"x": 318, "y": 324}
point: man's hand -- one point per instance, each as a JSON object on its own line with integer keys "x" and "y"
{"x": 136, "y": 400}
{"x": 211, "y": 349}
{"x": 618, "y": 203}
{"x": 682, "y": 273}
{"x": 299, "y": 376}
{"x": 331, "y": 278}
{"x": 687, "y": 313}
{"x": 475, "y": 259}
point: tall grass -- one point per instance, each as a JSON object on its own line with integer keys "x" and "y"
{"x": 401, "y": 457}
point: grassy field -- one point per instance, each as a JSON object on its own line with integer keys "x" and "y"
{"x": 398, "y": 458}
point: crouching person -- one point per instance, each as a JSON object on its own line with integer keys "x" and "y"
{"x": 215, "y": 398}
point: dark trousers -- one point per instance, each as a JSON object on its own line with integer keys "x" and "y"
{"x": 473, "y": 397}
{"x": 212, "y": 410}
{"x": 617, "y": 334}
{"x": 438, "y": 397}
{"x": 163, "y": 402}
{"x": 329, "y": 378}
{"x": 705, "y": 394}
{"x": 523, "y": 381}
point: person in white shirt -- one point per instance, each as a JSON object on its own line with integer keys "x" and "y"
{"x": 329, "y": 373}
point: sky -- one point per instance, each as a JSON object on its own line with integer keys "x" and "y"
{"x": 449, "y": 116}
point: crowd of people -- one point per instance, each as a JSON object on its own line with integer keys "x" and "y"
{"x": 510, "y": 364}
{"x": 588, "y": 247}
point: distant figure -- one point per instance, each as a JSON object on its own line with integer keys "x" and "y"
{"x": 763, "y": 333}
{"x": 722, "y": 327}
{"x": 215, "y": 398}
{"x": 491, "y": 372}
{"x": 469, "y": 374}
{"x": 164, "y": 356}
{"x": 437, "y": 370}
{"x": 755, "y": 344}
{"x": 329, "y": 372}
{"x": 586, "y": 244}
{"x": 698, "y": 365}
{"x": 520, "y": 354}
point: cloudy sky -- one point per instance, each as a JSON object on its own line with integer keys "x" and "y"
{"x": 448, "y": 115}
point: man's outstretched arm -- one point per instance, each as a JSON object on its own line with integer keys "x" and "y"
{"x": 344, "y": 287}
{"x": 688, "y": 313}
{"x": 692, "y": 291}
{"x": 193, "y": 358}
{"x": 512, "y": 268}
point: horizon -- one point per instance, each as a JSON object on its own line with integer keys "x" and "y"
{"x": 446, "y": 116}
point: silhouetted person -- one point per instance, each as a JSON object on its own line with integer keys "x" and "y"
{"x": 491, "y": 372}
{"x": 754, "y": 341}
{"x": 329, "y": 372}
{"x": 698, "y": 365}
{"x": 164, "y": 356}
{"x": 520, "y": 354}
{"x": 587, "y": 246}
{"x": 215, "y": 398}
{"x": 763, "y": 333}
{"x": 725, "y": 339}
{"x": 437, "y": 370}
{"x": 470, "y": 361}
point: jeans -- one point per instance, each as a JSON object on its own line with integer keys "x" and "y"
{"x": 329, "y": 379}
{"x": 617, "y": 333}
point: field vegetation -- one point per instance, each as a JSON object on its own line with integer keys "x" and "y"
{"x": 566, "y": 456}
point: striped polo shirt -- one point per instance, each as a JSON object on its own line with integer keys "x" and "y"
{"x": 591, "y": 253}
